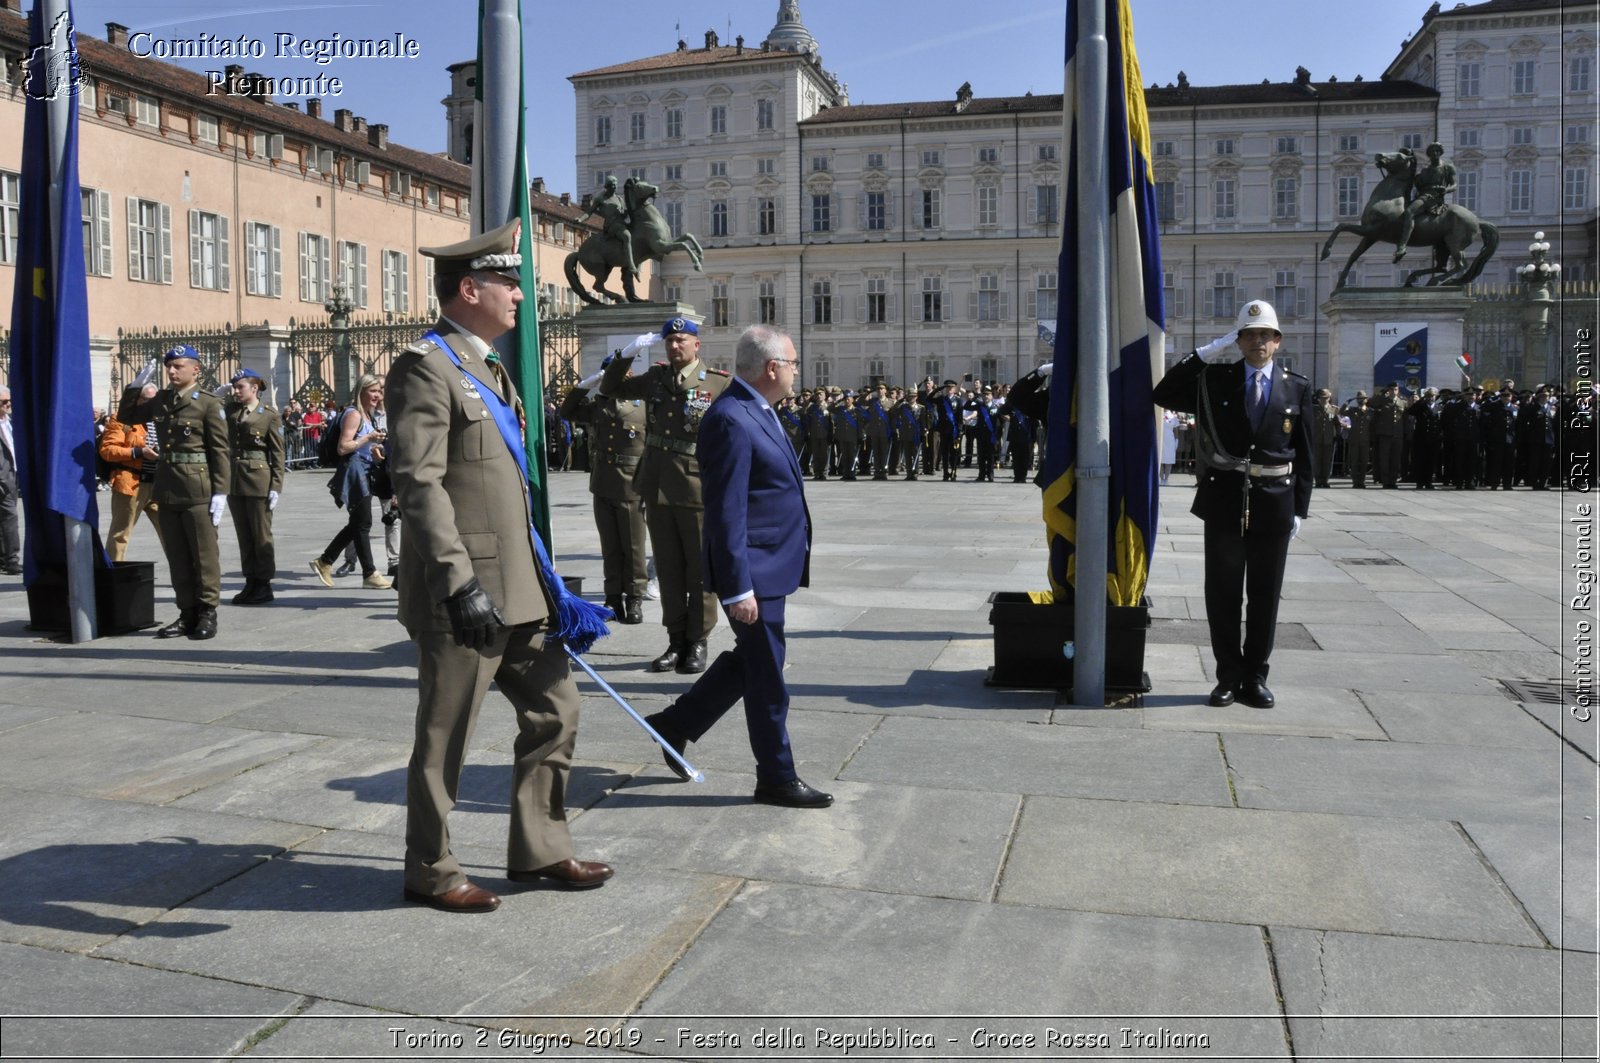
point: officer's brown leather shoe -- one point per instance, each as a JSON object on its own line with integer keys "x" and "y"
{"x": 569, "y": 873}
{"x": 693, "y": 658}
{"x": 464, "y": 898}
{"x": 667, "y": 661}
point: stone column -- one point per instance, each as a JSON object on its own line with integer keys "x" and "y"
{"x": 261, "y": 347}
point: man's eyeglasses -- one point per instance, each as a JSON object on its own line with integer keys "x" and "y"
{"x": 785, "y": 361}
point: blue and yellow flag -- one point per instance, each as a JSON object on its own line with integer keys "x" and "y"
{"x": 1137, "y": 323}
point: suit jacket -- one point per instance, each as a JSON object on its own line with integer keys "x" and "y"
{"x": 1284, "y": 437}
{"x": 256, "y": 439}
{"x": 465, "y": 501}
{"x": 757, "y": 528}
{"x": 8, "y": 468}
{"x": 668, "y": 473}
{"x": 188, "y": 423}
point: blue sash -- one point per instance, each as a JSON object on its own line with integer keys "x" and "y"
{"x": 578, "y": 623}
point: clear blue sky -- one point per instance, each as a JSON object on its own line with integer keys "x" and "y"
{"x": 885, "y": 51}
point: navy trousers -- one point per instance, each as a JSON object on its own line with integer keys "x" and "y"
{"x": 752, "y": 671}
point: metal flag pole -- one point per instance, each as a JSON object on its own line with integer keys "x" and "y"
{"x": 694, "y": 774}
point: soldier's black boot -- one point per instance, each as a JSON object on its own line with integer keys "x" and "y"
{"x": 244, "y": 596}
{"x": 632, "y": 609}
{"x": 667, "y": 661}
{"x": 693, "y": 658}
{"x": 205, "y": 624}
{"x": 179, "y": 627}
{"x": 262, "y": 594}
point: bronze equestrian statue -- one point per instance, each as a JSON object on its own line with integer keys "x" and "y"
{"x": 1449, "y": 229}
{"x": 650, "y": 238}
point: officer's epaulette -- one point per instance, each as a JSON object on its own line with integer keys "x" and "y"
{"x": 423, "y": 346}
{"x": 717, "y": 372}
{"x": 1297, "y": 376}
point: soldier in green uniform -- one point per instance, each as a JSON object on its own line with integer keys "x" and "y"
{"x": 908, "y": 431}
{"x": 255, "y": 435}
{"x": 1358, "y": 439}
{"x": 819, "y": 433}
{"x": 616, "y": 442}
{"x": 1324, "y": 431}
{"x": 847, "y": 435}
{"x": 677, "y": 394}
{"x": 1388, "y": 435}
{"x": 191, "y": 485}
{"x": 878, "y": 432}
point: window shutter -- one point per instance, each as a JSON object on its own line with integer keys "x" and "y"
{"x": 327, "y": 269}
{"x": 1177, "y": 199}
{"x": 387, "y": 279}
{"x": 1032, "y": 304}
{"x": 861, "y": 212}
{"x": 361, "y": 275}
{"x": 861, "y": 310}
{"x": 102, "y": 203}
{"x": 194, "y": 249}
{"x": 251, "y": 243}
{"x": 1033, "y": 206}
{"x": 1240, "y": 297}
{"x": 1208, "y": 303}
{"x": 166, "y": 244}
{"x": 1005, "y": 306}
{"x": 1301, "y": 304}
{"x": 133, "y": 240}
{"x": 305, "y": 268}
{"x": 916, "y": 307}
{"x": 889, "y": 307}
{"x": 277, "y": 263}
{"x": 972, "y": 306}
{"x": 1179, "y": 298}
{"x": 224, "y": 270}
{"x": 841, "y": 308}
{"x": 405, "y": 282}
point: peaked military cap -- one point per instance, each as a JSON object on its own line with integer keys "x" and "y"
{"x": 494, "y": 251}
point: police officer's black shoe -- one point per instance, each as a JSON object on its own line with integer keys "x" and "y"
{"x": 632, "y": 609}
{"x": 1221, "y": 695}
{"x": 693, "y": 658}
{"x": 1255, "y": 694}
{"x": 205, "y": 624}
{"x": 667, "y": 661}
{"x": 179, "y": 627}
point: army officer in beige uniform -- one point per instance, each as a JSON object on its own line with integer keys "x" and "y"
{"x": 255, "y": 436}
{"x": 676, "y": 394}
{"x": 473, "y": 596}
{"x": 191, "y": 485}
{"x": 616, "y": 442}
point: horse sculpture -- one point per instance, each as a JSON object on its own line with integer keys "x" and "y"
{"x": 1449, "y": 233}
{"x": 652, "y": 241}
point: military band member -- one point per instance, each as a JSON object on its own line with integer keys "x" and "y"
{"x": 616, "y": 442}
{"x": 191, "y": 486}
{"x": 255, "y": 438}
{"x": 477, "y": 594}
{"x": 676, "y": 394}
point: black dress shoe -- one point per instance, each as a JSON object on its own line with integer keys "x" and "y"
{"x": 792, "y": 794}
{"x": 243, "y": 597}
{"x": 693, "y": 658}
{"x": 11, "y": 570}
{"x": 1256, "y": 695}
{"x": 569, "y": 874}
{"x": 1222, "y": 694}
{"x": 632, "y": 609}
{"x": 464, "y": 898}
{"x": 667, "y": 661}
{"x": 658, "y": 720}
{"x": 179, "y": 627}
{"x": 205, "y": 624}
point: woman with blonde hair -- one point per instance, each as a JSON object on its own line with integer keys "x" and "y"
{"x": 360, "y": 446}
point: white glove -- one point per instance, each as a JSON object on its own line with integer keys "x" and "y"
{"x": 1046, "y": 369}
{"x": 272, "y": 501}
{"x": 1294, "y": 529}
{"x": 1210, "y": 351}
{"x": 639, "y": 344}
{"x": 146, "y": 375}
{"x": 588, "y": 382}
{"x": 218, "y": 502}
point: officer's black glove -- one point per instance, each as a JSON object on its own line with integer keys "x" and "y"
{"x": 474, "y": 619}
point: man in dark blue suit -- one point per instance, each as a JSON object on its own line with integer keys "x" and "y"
{"x": 756, "y": 552}
{"x": 1254, "y": 478}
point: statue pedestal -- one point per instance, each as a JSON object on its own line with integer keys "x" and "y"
{"x": 1369, "y": 330}
{"x": 604, "y": 329}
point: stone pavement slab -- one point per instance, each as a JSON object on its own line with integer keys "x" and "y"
{"x": 1492, "y": 720}
{"x": 925, "y": 956}
{"x": 1244, "y": 866}
{"x": 1317, "y": 712}
{"x": 328, "y": 920}
{"x": 13, "y": 716}
{"x": 1030, "y": 759}
{"x": 888, "y": 839}
{"x": 1559, "y": 720}
{"x": 1396, "y": 779}
{"x": 83, "y": 871}
{"x": 222, "y": 1016}
{"x": 1363, "y": 996}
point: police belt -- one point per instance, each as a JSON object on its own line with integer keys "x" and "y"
{"x": 625, "y": 461}
{"x": 677, "y": 446}
{"x": 185, "y": 458}
{"x": 1250, "y": 468}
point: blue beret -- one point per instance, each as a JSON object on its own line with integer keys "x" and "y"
{"x": 607, "y": 359}
{"x": 182, "y": 350}
{"x": 246, "y": 374}
{"x": 679, "y": 324}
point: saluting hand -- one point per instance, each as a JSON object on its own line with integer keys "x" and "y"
{"x": 1217, "y": 347}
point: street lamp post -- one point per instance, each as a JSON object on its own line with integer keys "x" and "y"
{"x": 339, "y": 307}
{"x": 1538, "y": 277}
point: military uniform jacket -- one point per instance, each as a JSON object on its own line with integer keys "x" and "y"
{"x": 193, "y": 438}
{"x": 669, "y": 473}
{"x": 465, "y": 501}
{"x": 616, "y": 440}
{"x": 1324, "y": 425}
{"x": 818, "y": 422}
{"x": 1284, "y": 437}
{"x": 255, "y": 438}
{"x": 876, "y": 421}
{"x": 1360, "y": 424}
{"x": 908, "y": 421}
{"x": 847, "y": 425}
{"x": 1387, "y": 417}
{"x": 1426, "y": 418}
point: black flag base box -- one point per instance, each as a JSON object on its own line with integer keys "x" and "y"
{"x": 1029, "y": 640}
{"x": 124, "y": 595}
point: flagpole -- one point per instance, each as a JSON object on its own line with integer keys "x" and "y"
{"x": 80, "y": 544}
{"x": 1094, "y": 336}
{"x": 501, "y": 91}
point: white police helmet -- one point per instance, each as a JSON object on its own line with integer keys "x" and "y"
{"x": 1258, "y": 313}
